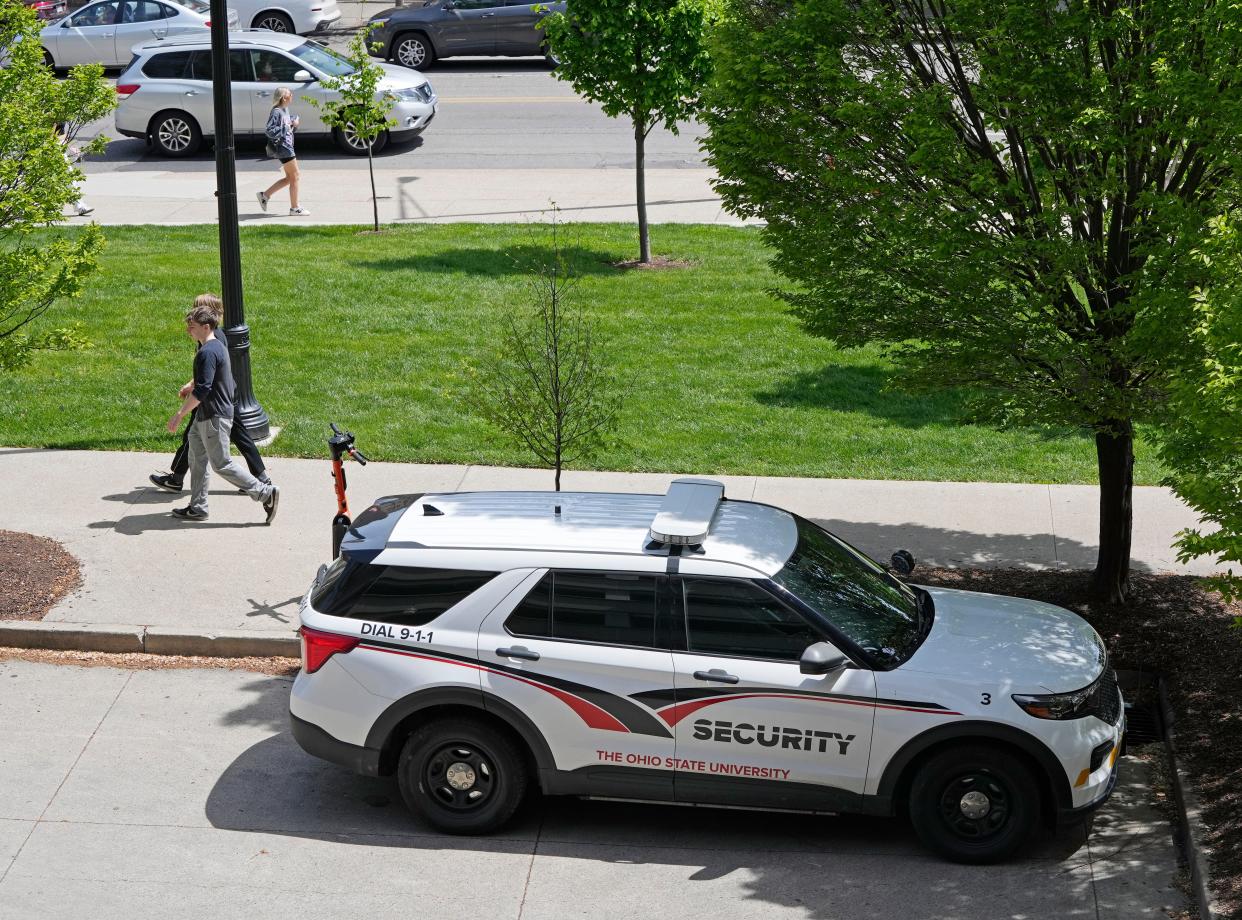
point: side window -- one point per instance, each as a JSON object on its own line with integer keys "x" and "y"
{"x": 239, "y": 67}
{"x": 140, "y": 11}
{"x": 393, "y": 594}
{"x": 610, "y": 607}
{"x": 170, "y": 65}
{"x": 273, "y": 67}
{"x": 477, "y": 4}
{"x": 200, "y": 65}
{"x": 735, "y": 617}
{"x": 100, "y": 14}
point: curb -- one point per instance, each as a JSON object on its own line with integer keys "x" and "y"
{"x": 152, "y": 640}
{"x": 1198, "y": 853}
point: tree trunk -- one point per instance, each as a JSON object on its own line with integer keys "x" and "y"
{"x": 1114, "y": 451}
{"x": 374, "y": 199}
{"x": 640, "y": 181}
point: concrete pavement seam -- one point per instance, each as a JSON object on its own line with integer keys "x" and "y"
{"x": 1052, "y": 523}
{"x": 152, "y": 640}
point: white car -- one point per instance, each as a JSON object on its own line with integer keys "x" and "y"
{"x": 691, "y": 649}
{"x": 297, "y": 16}
{"x": 104, "y": 32}
{"x": 166, "y": 93}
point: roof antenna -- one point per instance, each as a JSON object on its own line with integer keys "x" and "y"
{"x": 556, "y": 510}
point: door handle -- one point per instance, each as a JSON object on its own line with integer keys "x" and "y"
{"x": 520, "y": 651}
{"x": 716, "y": 674}
{"x": 263, "y": 92}
{"x": 191, "y": 92}
{"x": 487, "y": 15}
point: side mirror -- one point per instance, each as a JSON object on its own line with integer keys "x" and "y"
{"x": 302, "y": 76}
{"x": 903, "y": 562}
{"x": 820, "y": 658}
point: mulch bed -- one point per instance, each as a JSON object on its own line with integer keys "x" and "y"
{"x": 138, "y": 661}
{"x": 1175, "y": 628}
{"x": 656, "y": 263}
{"x": 35, "y": 573}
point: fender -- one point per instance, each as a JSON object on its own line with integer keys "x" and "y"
{"x": 967, "y": 731}
{"x": 407, "y": 706}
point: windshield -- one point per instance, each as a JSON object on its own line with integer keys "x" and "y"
{"x": 325, "y": 60}
{"x": 852, "y": 591}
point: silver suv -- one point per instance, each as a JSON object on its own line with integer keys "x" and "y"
{"x": 166, "y": 97}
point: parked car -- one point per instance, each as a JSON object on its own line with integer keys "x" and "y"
{"x": 417, "y": 36}
{"x": 48, "y": 9}
{"x": 166, "y": 95}
{"x": 104, "y": 32}
{"x": 692, "y": 649}
{"x": 297, "y": 16}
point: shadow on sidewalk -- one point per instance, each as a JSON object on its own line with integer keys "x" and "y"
{"x": 135, "y": 524}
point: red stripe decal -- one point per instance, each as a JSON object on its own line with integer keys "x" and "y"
{"x": 674, "y": 714}
{"x": 588, "y": 712}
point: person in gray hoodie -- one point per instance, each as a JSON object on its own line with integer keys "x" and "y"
{"x": 279, "y": 131}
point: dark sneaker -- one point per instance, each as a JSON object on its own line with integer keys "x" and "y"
{"x": 165, "y": 482}
{"x": 270, "y": 505}
{"x": 189, "y": 514}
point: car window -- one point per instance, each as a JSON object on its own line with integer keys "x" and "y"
{"x": 98, "y": 14}
{"x": 401, "y": 595}
{"x": 239, "y": 66}
{"x": 730, "y": 616}
{"x": 476, "y": 4}
{"x": 171, "y": 65}
{"x": 198, "y": 6}
{"x": 141, "y": 11}
{"x": 323, "y": 59}
{"x": 611, "y": 607}
{"x": 273, "y": 67}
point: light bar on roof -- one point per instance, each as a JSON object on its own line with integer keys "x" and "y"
{"x": 685, "y": 516}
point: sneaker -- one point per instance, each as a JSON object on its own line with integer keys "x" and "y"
{"x": 166, "y": 482}
{"x": 189, "y": 514}
{"x": 270, "y": 505}
{"x": 262, "y": 196}
{"x": 83, "y": 210}
{"x": 298, "y": 212}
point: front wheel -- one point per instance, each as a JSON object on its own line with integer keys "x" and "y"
{"x": 350, "y": 142}
{"x": 176, "y": 134}
{"x": 414, "y": 51}
{"x": 462, "y": 776}
{"x": 974, "y": 804}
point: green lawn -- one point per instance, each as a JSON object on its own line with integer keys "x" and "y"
{"x": 374, "y": 331}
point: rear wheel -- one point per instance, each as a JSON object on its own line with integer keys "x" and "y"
{"x": 413, "y": 50}
{"x": 974, "y": 804}
{"x": 176, "y": 134}
{"x": 350, "y": 142}
{"x": 273, "y": 21}
{"x": 462, "y": 776}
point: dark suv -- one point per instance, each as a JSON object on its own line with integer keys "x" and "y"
{"x": 416, "y": 36}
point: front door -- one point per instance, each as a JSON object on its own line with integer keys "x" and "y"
{"x": 273, "y": 69}
{"x": 88, "y": 36}
{"x": 751, "y": 728}
{"x": 571, "y": 650}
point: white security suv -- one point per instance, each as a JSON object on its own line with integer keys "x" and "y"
{"x": 691, "y": 649}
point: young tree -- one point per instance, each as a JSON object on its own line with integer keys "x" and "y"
{"x": 1004, "y": 193}
{"x": 642, "y": 59}
{"x": 361, "y": 111}
{"x": 37, "y": 181}
{"x": 545, "y": 387}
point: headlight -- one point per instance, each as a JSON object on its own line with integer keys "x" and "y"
{"x": 415, "y": 93}
{"x": 379, "y": 22}
{"x": 1071, "y": 705}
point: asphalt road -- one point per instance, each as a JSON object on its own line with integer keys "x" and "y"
{"x": 180, "y": 793}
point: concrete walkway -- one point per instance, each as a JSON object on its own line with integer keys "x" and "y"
{"x": 141, "y": 566}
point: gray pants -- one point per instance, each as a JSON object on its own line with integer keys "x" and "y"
{"x": 209, "y": 443}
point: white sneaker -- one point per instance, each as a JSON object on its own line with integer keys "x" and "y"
{"x": 262, "y": 199}
{"x": 298, "y": 212}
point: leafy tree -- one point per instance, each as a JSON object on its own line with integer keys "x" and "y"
{"x": 1202, "y": 441}
{"x": 37, "y": 181}
{"x": 642, "y": 59}
{"x": 361, "y": 109}
{"x": 1005, "y": 194}
{"x": 545, "y": 386}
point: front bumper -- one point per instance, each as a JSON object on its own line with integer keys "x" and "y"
{"x": 411, "y": 124}
{"x": 1070, "y": 816}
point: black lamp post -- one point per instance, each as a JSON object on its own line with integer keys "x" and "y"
{"x": 247, "y": 408}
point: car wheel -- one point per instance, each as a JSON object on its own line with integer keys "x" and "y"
{"x": 552, "y": 59}
{"x": 273, "y": 21}
{"x": 48, "y": 61}
{"x": 413, "y": 51}
{"x": 462, "y": 776}
{"x": 175, "y": 134}
{"x": 974, "y": 804}
{"x": 350, "y": 142}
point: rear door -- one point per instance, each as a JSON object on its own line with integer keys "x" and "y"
{"x": 243, "y": 87}
{"x": 468, "y": 28}
{"x": 140, "y": 21}
{"x": 751, "y": 728}
{"x": 516, "y": 27}
{"x": 577, "y": 652}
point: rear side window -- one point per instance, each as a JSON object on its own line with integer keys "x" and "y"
{"x": 170, "y": 65}
{"x": 391, "y": 593}
{"x": 610, "y": 607}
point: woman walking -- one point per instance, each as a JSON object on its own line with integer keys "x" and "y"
{"x": 279, "y": 132}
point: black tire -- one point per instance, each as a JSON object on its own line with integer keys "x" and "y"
{"x": 413, "y": 50}
{"x": 349, "y": 142}
{"x": 175, "y": 134}
{"x": 463, "y": 776}
{"x": 974, "y": 804}
{"x": 273, "y": 21}
{"x": 48, "y": 61}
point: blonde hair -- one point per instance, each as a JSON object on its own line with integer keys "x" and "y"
{"x": 282, "y": 93}
{"x": 212, "y": 303}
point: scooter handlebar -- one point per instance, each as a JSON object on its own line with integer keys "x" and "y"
{"x": 357, "y": 455}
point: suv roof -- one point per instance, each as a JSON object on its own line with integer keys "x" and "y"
{"x": 529, "y": 525}
{"x": 248, "y": 38}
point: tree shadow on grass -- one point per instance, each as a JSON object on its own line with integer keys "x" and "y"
{"x": 521, "y": 259}
{"x": 862, "y": 389}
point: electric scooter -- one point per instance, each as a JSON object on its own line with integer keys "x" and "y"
{"x": 341, "y": 444}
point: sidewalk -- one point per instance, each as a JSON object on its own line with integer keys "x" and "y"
{"x": 142, "y": 567}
